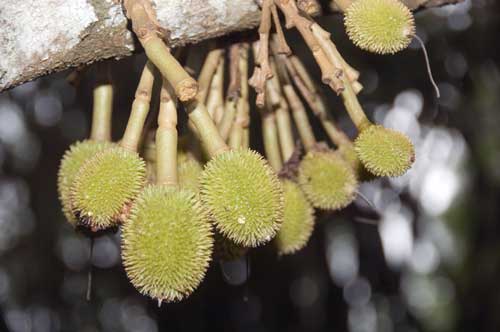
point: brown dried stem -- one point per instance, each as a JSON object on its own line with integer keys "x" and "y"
{"x": 330, "y": 74}
{"x": 262, "y": 71}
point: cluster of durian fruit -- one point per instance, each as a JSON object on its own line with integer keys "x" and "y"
{"x": 182, "y": 202}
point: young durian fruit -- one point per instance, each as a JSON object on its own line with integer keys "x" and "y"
{"x": 105, "y": 187}
{"x": 108, "y": 183}
{"x": 167, "y": 241}
{"x": 80, "y": 152}
{"x": 384, "y": 152}
{"x": 379, "y": 26}
{"x": 244, "y": 197}
{"x": 298, "y": 220}
{"x": 327, "y": 180}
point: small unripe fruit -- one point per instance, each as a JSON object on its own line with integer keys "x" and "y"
{"x": 166, "y": 243}
{"x": 188, "y": 171}
{"x": 327, "y": 180}
{"x": 244, "y": 197}
{"x": 379, "y": 26}
{"x": 384, "y": 152}
{"x": 298, "y": 220}
{"x": 105, "y": 187}
{"x": 227, "y": 250}
{"x": 71, "y": 162}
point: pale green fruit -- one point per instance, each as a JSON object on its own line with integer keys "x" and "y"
{"x": 105, "y": 187}
{"x": 379, "y": 26}
{"x": 167, "y": 243}
{"x": 384, "y": 152}
{"x": 298, "y": 220}
{"x": 244, "y": 197}
{"x": 328, "y": 181}
{"x": 71, "y": 162}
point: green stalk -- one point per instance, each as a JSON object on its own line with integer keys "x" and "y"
{"x": 166, "y": 140}
{"x": 102, "y": 111}
{"x": 140, "y": 109}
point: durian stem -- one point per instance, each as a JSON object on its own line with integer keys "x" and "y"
{"x": 300, "y": 118}
{"x": 102, "y": 111}
{"x": 140, "y": 109}
{"x": 233, "y": 92}
{"x": 227, "y": 120}
{"x": 285, "y": 133}
{"x": 215, "y": 99}
{"x": 278, "y": 103}
{"x": 206, "y": 129}
{"x": 206, "y": 77}
{"x": 307, "y": 89}
{"x": 148, "y": 32}
{"x": 166, "y": 140}
{"x": 262, "y": 69}
{"x": 242, "y": 119}
{"x": 270, "y": 138}
{"x": 353, "y": 107}
{"x": 333, "y": 55}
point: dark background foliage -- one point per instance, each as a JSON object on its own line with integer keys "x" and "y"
{"x": 428, "y": 262}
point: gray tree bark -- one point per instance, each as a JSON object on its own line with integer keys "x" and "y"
{"x": 38, "y": 37}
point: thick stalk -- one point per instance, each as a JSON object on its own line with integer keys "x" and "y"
{"x": 102, "y": 111}
{"x": 242, "y": 119}
{"x": 283, "y": 121}
{"x": 148, "y": 32}
{"x": 300, "y": 117}
{"x": 353, "y": 107}
{"x": 270, "y": 137}
{"x": 140, "y": 109}
{"x": 166, "y": 140}
{"x": 206, "y": 129}
{"x": 207, "y": 73}
{"x": 215, "y": 99}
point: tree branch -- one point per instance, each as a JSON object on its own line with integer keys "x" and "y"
{"x": 38, "y": 37}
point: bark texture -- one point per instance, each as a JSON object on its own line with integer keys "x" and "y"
{"x": 38, "y": 37}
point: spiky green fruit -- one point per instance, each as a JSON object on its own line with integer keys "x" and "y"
{"x": 328, "y": 181}
{"x": 166, "y": 243}
{"x": 188, "y": 171}
{"x": 298, "y": 220}
{"x": 105, "y": 187}
{"x": 227, "y": 250}
{"x": 379, "y": 26}
{"x": 384, "y": 152}
{"x": 244, "y": 197}
{"x": 71, "y": 162}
